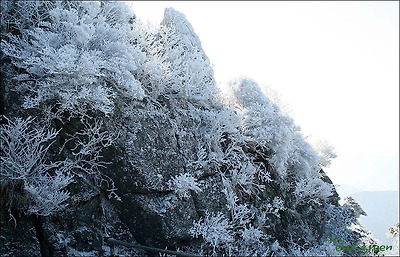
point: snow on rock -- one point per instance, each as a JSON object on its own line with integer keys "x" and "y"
{"x": 114, "y": 129}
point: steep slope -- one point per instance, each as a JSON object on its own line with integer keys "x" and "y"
{"x": 111, "y": 129}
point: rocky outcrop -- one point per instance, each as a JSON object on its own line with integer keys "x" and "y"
{"x": 149, "y": 152}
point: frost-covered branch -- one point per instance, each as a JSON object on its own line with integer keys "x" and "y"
{"x": 24, "y": 146}
{"x": 183, "y": 184}
{"x": 23, "y": 149}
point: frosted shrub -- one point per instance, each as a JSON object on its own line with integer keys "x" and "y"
{"x": 275, "y": 137}
{"x": 303, "y": 158}
{"x": 326, "y": 153}
{"x": 253, "y": 236}
{"x": 215, "y": 229}
{"x": 81, "y": 56}
{"x": 312, "y": 190}
{"x": 241, "y": 215}
{"x": 182, "y": 184}
{"x": 201, "y": 159}
{"x": 24, "y": 146}
{"x": 247, "y": 239}
{"x": 252, "y": 242}
{"x": 47, "y": 193}
{"x": 262, "y": 123}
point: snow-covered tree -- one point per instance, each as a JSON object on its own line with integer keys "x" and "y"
{"x": 358, "y": 211}
{"x": 78, "y": 55}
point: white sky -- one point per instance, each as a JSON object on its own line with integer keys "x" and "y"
{"x": 335, "y": 63}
